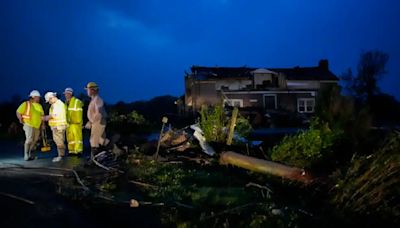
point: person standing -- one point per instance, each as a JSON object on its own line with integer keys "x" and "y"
{"x": 30, "y": 114}
{"x": 75, "y": 122}
{"x": 57, "y": 122}
{"x": 97, "y": 119}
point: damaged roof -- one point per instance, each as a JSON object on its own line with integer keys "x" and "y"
{"x": 319, "y": 73}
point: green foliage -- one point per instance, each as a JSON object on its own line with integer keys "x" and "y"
{"x": 371, "y": 184}
{"x": 342, "y": 114}
{"x": 335, "y": 109}
{"x": 116, "y": 118}
{"x": 108, "y": 187}
{"x": 212, "y": 197}
{"x": 128, "y": 123}
{"x": 135, "y": 118}
{"x": 307, "y": 148}
{"x": 243, "y": 126}
{"x": 213, "y": 123}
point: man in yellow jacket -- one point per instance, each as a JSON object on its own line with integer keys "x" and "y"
{"x": 75, "y": 121}
{"x": 30, "y": 114}
{"x": 58, "y": 122}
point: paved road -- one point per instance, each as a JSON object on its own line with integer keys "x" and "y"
{"x": 30, "y": 198}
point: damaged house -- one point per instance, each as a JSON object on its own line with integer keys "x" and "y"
{"x": 292, "y": 90}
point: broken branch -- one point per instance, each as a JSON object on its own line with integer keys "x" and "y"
{"x": 17, "y": 198}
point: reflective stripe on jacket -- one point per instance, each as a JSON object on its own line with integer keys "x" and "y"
{"x": 74, "y": 111}
{"x": 57, "y": 114}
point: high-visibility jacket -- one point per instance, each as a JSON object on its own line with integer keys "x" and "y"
{"x": 58, "y": 115}
{"x": 31, "y": 113}
{"x": 74, "y": 111}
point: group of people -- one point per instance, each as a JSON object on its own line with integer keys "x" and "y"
{"x": 65, "y": 121}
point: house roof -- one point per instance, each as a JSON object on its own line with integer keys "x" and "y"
{"x": 296, "y": 73}
{"x": 263, "y": 71}
{"x": 307, "y": 73}
{"x": 202, "y": 72}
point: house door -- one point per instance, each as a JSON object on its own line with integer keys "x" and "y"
{"x": 270, "y": 101}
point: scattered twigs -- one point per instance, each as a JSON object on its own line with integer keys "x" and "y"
{"x": 230, "y": 210}
{"x": 94, "y": 159}
{"x": 18, "y": 170}
{"x": 198, "y": 160}
{"x": 184, "y": 205}
{"x": 78, "y": 179}
{"x": 17, "y": 198}
{"x": 143, "y": 184}
{"x": 132, "y": 203}
{"x": 268, "y": 190}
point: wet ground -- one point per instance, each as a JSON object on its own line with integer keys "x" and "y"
{"x": 29, "y": 195}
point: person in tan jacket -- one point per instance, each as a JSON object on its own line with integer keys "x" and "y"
{"x": 97, "y": 119}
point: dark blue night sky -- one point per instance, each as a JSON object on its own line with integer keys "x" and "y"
{"x": 137, "y": 49}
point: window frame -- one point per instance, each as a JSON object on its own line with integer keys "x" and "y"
{"x": 304, "y": 101}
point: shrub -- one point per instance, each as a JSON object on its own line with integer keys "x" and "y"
{"x": 213, "y": 123}
{"x": 371, "y": 184}
{"x": 307, "y": 148}
{"x": 135, "y": 118}
{"x": 243, "y": 126}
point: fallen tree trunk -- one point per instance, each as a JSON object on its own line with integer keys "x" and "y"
{"x": 264, "y": 166}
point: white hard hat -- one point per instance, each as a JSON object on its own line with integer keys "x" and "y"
{"x": 68, "y": 90}
{"x": 34, "y": 93}
{"x": 49, "y": 95}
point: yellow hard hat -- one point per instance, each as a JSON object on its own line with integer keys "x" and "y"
{"x": 92, "y": 85}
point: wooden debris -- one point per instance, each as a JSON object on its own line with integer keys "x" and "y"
{"x": 143, "y": 184}
{"x": 17, "y": 198}
{"x": 251, "y": 184}
{"x": 264, "y": 166}
{"x": 164, "y": 121}
{"x": 232, "y": 126}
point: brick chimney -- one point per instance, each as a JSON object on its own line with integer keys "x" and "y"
{"x": 323, "y": 64}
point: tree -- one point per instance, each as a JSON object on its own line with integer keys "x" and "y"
{"x": 371, "y": 68}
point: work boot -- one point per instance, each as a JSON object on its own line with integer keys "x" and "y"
{"x": 61, "y": 152}
{"x": 31, "y": 152}
{"x": 93, "y": 152}
{"x": 27, "y": 152}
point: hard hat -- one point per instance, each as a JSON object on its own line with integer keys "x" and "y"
{"x": 92, "y": 85}
{"x": 34, "y": 93}
{"x": 68, "y": 90}
{"x": 49, "y": 95}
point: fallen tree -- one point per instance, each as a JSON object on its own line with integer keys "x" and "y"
{"x": 264, "y": 166}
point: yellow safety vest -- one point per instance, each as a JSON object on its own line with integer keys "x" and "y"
{"x": 74, "y": 111}
{"x": 27, "y": 115}
{"x": 57, "y": 114}
{"x": 31, "y": 113}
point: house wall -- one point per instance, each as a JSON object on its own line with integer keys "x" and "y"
{"x": 238, "y": 84}
{"x": 288, "y": 101}
{"x": 204, "y": 93}
{"x": 208, "y": 92}
{"x": 249, "y": 100}
{"x": 292, "y": 84}
{"x": 259, "y": 78}
{"x": 188, "y": 93}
